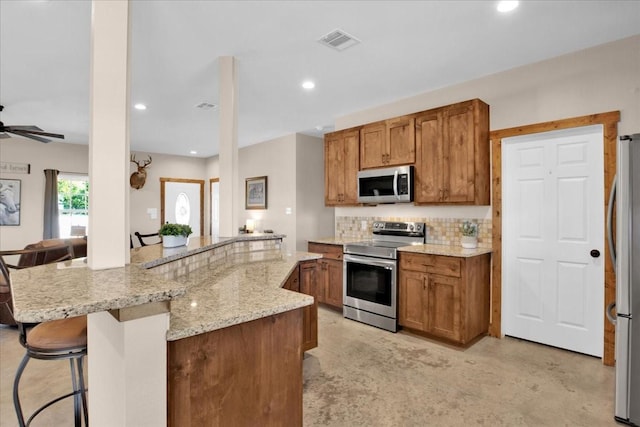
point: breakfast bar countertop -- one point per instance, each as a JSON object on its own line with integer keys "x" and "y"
{"x": 236, "y": 292}
{"x": 70, "y": 288}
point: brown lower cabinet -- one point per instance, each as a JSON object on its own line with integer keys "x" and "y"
{"x": 329, "y": 273}
{"x": 308, "y": 285}
{"x": 444, "y": 297}
{"x": 244, "y": 375}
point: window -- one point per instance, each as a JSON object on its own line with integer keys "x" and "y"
{"x": 73, "y": 204}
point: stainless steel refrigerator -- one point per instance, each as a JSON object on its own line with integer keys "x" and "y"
{"x": 627, "y": 263}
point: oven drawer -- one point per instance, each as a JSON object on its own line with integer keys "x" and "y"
{"x": 435, "y": 264}
{"x": 328, "y": 251}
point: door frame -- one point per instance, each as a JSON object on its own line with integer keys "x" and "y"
{"x": 609, "y": 122}
{"x": 188, "y": 181}
{"x": 211, "y": 182}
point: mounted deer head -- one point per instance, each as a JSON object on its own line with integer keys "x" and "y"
{"x": 139, "y": 177}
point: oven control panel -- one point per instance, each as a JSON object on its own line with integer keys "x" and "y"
{"x": 399, "y": 228}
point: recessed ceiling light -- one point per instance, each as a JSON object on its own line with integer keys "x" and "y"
{"x": 308, "y": 85}
{"x": 507, "y": 5}
{"x": 140, "y": 107}
{"x": 319, "y": 127}
{"x": 193, "y": 152}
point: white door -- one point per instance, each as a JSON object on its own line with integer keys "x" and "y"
{"x": 182, "y": 204}
{"x": 553, "y": 217}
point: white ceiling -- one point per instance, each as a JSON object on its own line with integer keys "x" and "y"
{"x": 407, "y": 48}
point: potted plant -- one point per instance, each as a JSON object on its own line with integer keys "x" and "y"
{"x": 174, "y": 234}
{"x": 469, "y": 238}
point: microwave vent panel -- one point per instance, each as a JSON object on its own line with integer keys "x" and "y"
{"x": 339, "y": 40}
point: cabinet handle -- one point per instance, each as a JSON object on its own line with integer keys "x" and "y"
{"x": 446, "y": 193}
{"x": 427, "y": 265}
{"x": 424, "y": 283}
{"x": 440, "y": 194}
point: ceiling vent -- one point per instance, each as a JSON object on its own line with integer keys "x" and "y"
{"x": 339, "y": 40}
{"x": 206, "y": 106}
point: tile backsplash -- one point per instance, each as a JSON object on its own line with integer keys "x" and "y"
{"x": 440, "y": 231}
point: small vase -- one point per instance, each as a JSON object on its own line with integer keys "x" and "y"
{"x": 173, "y": 241}
{"x": 469, "y": 242}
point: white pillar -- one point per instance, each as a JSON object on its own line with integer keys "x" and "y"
{"x": 127, "y": 371}
{"x": 127, "y": 365}
{"x": 230, "y": 192}
{"x": 107, "y": 244}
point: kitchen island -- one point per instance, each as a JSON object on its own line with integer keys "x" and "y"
{"x": 234, "y": 352}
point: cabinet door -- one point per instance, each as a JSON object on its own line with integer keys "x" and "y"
{"x": 334, "y": 289}
{"x": 429, "y": 142}
{"x": 322, "y": 280}
{"x": 411, "y": 300}
{"x": 373, "y": 145}
{"x": 334, "y": 169}
{"x": 444, "y": 307}
{"x": 351, "y": 166}
{"x": 458, "y": 154}
{"x": 310, "y": 313}
{"x": 401, "y": 141}
{"x": 293, "y": 283}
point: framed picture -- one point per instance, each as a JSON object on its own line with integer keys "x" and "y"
{"x": 256, "y": 193}
{"x": 10, "y": 201}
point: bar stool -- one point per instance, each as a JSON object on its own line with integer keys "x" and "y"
{"x": 54, "y": 340}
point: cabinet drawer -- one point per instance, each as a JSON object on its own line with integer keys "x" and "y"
{"x": 328, "y": 251}
{"x": 435, "y": 264}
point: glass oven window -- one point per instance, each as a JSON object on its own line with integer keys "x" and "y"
{"x": 370, "y": 283}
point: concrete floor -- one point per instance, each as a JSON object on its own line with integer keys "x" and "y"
{"x": 363, "y": 376}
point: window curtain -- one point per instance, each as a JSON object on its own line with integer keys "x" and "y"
{"x": 51, "y": 229}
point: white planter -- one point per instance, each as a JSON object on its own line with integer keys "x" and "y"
{"x": 469, "y": 242}
{"x": 174, "y": 241}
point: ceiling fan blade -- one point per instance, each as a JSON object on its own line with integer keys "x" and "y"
{"x": 28, "y": 128}
{"x": 33, "y": 132}
{"x": 28, "y": 135}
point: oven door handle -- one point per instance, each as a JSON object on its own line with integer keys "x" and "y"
{"x": 388, "y": 264}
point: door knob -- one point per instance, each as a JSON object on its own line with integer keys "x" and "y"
{"x": 595, "y": 253}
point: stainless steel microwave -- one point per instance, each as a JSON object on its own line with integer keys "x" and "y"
{"x": 388, "y": 185}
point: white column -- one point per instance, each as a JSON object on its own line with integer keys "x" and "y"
{"x": 230, "y": 193}
{"x": 127, "y": 367}
{"x": 107, "y": 244}
{"x": 127, "y": 371}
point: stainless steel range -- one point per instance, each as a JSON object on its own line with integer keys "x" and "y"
{"x": 371, "y": 273}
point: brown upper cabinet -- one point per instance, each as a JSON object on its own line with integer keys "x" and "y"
{"x": 341, "y": 163}
{"x": 452, "y": 154}
{"x": 388, "y": 143}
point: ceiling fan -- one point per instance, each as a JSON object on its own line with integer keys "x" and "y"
{"x": 32, "y": 132}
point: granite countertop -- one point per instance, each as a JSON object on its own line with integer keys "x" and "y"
{"x": 70, "y": 288}
{"x": 336, "y": 240}
{"x": 154, "y": 255}
{"x": 235, "y": 293}
{"x": 445, "y": 250}
{"x": 203, "y": 300}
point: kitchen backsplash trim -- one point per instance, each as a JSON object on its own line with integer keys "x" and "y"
{"x": 440, "y": 231}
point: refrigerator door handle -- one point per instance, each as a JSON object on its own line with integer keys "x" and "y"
{"x": 609, "y": 312}
{"x": 612, "y": 245}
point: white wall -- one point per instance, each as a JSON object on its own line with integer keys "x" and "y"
{"x": 74, "y": 158}
{"x": 275, "y": 159}
{"x": 55, "y": 155}
{"x": 313, "y": 219}
{"x": 163, "y": 166}
{"x": 596, "y": 80}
